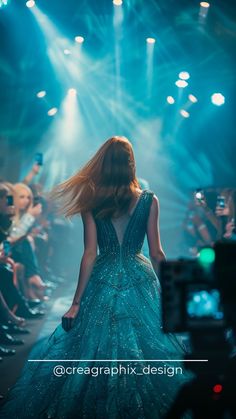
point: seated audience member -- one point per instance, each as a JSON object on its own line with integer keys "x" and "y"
{"x": 25, "y": 215}
{"x": 9, "y": 270}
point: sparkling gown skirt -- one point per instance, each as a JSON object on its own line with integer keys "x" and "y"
{"x": 118, "y": 334}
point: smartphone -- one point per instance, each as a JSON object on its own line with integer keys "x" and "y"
{"x": 220, "y": 202}
{"x": 39, "y": 159}
{"x": 37, "y": 200}
{"x": 199, "y": 196}
{"x": 10, "y": 200}
{"x": 6, "y": 248}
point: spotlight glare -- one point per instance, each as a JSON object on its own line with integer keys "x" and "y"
{"x": 52, "y": 111}
{"x": 207, "y": 256}
{"x": 184, "y": 113}
{"x": 3, "y": 3}
{"x": 198, "y": 195}
{"x": 72, "y": 92}
{"x": 205, "y": 4}
{"x": 184, "y": 75}
{"x": 30, "y": 3}
{"x": 67, "y": 51}
{"x": 181, "y": 83}
{"x": 79, "y": 39}
{"x": 41, "y": 94}
{"x": 170, "y": 100}
{"x": 117, "y": 2}
{"x": 150, "y": 40}
{"x": 192, "y": 98}
{"x": 218, "y": 99}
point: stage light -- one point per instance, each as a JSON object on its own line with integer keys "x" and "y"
{"x": 184, "y": 113}
{"x": 67, "y": 51}
{"x": 41, "y": 94}
{"x": 79, "y": 39}
{"x": 218, "y": 99}
{"x": 181, "y": 83}
{"x": 207, "y": 256}
{"x": 198, "y": 195}
{"x": 150, "y": 40}
{"x": 52, "y": 111}
{"x": 3, "y": 3}
{"x": 150, "y": 46}
{"x": 192, "y": 98}
{"x": 184, "y": 75}
{"x": 30, "y": 3}
{"x": 170, "y": 100}
{"x": 204, "y": 7}
{"x": 217, "y": 388}
{"x": 72, "y": 92}
{"x": 117, "y": 2}
{"x": 205, "y": 4}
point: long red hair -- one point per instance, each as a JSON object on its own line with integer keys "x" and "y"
{"x": 106, "y": 184}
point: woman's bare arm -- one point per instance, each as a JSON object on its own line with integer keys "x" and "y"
{"x": 89, "y": 255}
{"x": 33, "y": 172}
{"x": 156, "y": 252}
{"x": 86, "y": 266}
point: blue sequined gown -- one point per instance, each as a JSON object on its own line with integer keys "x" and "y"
{"x": 119, "y": 320}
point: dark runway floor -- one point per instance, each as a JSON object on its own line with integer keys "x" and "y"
{"x": 10, "y": 367}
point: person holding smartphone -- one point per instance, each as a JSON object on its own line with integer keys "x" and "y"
{"x": 25, "y": 215}
{"x": 225, "y": 212}
{"x": 6, "y": 212}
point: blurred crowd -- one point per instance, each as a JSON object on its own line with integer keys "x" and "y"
{"x": 30, "y": 237}
{"x": 210, "y": 217}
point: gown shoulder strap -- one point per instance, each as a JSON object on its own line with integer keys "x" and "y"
{"x": 148, "y": 200}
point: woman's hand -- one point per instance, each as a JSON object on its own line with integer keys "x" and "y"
{"x": 36, "y": 169}
{"x": 69, "y": 317}
{"x": 35, "y": 211}
{"x": 3, "y": 258}
{"x": 15, "y": 240}
{"x": 229, "y": 229}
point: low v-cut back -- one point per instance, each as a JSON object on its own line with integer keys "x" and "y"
{"x": 121, "y": 224}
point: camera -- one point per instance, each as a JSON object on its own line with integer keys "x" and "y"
{"x": 200, "y": 294}
{"x": 199, "y": 297}
{"x": 191, "y": 298}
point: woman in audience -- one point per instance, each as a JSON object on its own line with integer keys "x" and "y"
{"x": 7, "y": 316}
{"x": 23, "y": 252}
{"x": 226, "y": 212}
{"x": 11, "y": 300}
